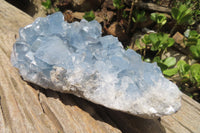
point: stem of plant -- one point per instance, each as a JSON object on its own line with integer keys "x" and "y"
{"x": 134, "y": 26}
{"x": 130, "y": 17}
{"x": 162, "y": 53}
{"x": 145, "y": 49}
{"x": 172, "y": 30}
{"x": 159, "y": 27}
{"x": 118, "y": 15}
{"x": 119, "y": 11}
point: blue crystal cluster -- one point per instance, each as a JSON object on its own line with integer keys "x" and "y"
{"x": 75, "y": 58}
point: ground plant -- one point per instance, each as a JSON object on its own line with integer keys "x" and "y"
{"x": 160, "y": 19}
{"x": 89, "y": 16}
{"x": 193, "y": 42}
{"x": 182, "y": 15}
{"x": 138, "y": 17}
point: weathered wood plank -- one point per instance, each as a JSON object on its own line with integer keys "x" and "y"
{"x": 187, "y": 120}
{"x": 29, "y": 108}
{"x": 149, "y": 6}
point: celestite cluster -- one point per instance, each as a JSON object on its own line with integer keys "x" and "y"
{"x": 75, "y": 58}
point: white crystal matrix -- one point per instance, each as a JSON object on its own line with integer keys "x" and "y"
{"x": 75, "y": 58}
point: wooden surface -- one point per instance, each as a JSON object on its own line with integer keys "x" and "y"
{"x": 26, "y": 108}
{"x": 148, "y": 6}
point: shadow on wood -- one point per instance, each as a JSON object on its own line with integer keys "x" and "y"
{"x": 123, "y": 121}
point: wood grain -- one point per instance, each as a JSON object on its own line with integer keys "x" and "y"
{"x": 27, "y": 108}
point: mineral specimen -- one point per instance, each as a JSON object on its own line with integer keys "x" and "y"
{"x": 75, "y": 58}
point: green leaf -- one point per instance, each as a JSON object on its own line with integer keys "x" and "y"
{"x": 147, "y": 60}
{"x": 198, "y": 42}
{"x": 153, "y": 16}
{"x": 163, "y": 22}
{"x": 56, "y": 9}
{"x": 186, "y": 11}
{"x": 170, "y": 61}
{"x": 170, "y": 72}
{"x": 164, "y": 39}
{"x": 185, "y": 19}
{"x": 183, "y": 10}
{"x": 155, "y": 46}
{"x": 191, "y": 41}
{"x": 162, "y": 66}
{"x": 156, "y": 59}
{"x": 138, "y": 16}
{"x": 137, "y": 43}
{"x": 195, "y": 73}
{"x": 160, "y": 63}
{"x": 193, "y": 33}
{"x": 170, "y": 42}
{"x": 146, "y": 39}
{"x": 154, "y": 38}
{"x": 159, "y": 18}
{"x": 118, "y": 4}
{"x": 191, "y": 21}
{"x": 182, "y": 15}
{"x": 193, "y": 38}
{"x": 175, "y": 13}
{"x": 47, "y": 4}
{"x": 195, "y": 50}
{"x": 89, "y": 16}
{"x": 127, "y": 47}
{"x": 134, "y": 20}
{"x": 124, "y": 14}
{"x": 141, "y": 18}
{"x": 159, "y": 41}
{"x": 183, "y": 68}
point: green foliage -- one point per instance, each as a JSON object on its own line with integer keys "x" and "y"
{"x": 193, "y": 41}
{"x": 159, "y": 18}
{"x": 56, "y": 9}
{"x": 147, "y": 60}
{"x": 183, "y": 69}
{"x": 49, "y": 7}
{"x": 186, "y": 72}
{"x": 118, "y": 4}
{"x": 138, "y": 16}
{"x": 170, "y": 61}
{"x": 193, "y": 38}
{"x": 182, "y": 15}
{"x": 124, "y": 14}
{"x": 195, "y": 50}
{"x": 159, "y": 41}
{"x": 127, "y": 47}
{"x": 170, "y": 72}
{"x": 47, "y": 4}
{"x": 89, "y": 16}
{"x": 137, "y": 43}
{"x": 146, "y": 39}
{"x": 166, "y": 64}
{"x": 189, "y": 73}
{"x": 194, "y": 33}
{"x": 194, "y": 5}
{"x": 195, "y": 74}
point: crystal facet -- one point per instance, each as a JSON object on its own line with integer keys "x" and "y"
{"x": 75, "y": 58}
